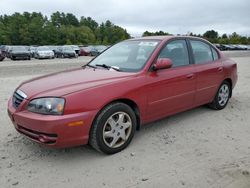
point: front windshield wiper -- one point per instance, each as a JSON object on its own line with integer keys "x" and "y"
{"x": 108, "y": 67}
{"x": 88, "y": 65}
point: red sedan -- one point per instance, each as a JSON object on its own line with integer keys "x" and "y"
{"x": 85, "y": 51}
{"x": 132, "y": 83}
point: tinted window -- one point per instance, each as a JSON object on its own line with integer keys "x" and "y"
{"x": 177, "y": 52}
{"x": 202, "y": 52}
{"x": 215, "y": 54}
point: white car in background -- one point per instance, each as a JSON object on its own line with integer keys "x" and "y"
{"x": 44, "y": 52}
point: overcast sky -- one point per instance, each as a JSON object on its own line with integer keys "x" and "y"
{"x": 173, "y": 16}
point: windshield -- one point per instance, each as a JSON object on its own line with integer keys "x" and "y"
{"x": 127, "y": 56}
{"x": 67, "y": 48}
{"x": 18, "y": 48}
{"x": 43, "y": 48}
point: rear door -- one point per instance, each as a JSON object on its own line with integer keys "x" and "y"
{"x": 171, "y": 90}
{"x": 209, "y": 71}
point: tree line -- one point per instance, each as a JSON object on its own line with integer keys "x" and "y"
{"x": 65, "y": 28}
{"x": 212, "y": 36}
{"x": 60, "y": 28}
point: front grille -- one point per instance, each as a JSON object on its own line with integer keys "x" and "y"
{"x": 18, "y": 98}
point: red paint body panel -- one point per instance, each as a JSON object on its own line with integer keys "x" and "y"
{"x": 209, "y": 77}
{"x": 86, "y": 91}
{"x": 170, "y": 90}
{"x": 66, "y": 135}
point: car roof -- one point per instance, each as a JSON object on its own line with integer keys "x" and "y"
{"x": 163, "y": 37}
{"x": 166, "y": 37}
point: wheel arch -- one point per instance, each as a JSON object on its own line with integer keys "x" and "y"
{"x": 128, "y": 102}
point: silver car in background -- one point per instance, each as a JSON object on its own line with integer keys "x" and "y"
{"x": 44, "y": 52}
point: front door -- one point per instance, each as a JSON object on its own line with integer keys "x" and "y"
{"x": 171, "y": 90}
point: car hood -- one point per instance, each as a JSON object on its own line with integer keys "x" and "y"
{"x": 66, "y": 82}
{"x": 45, "y": 51}
{"x": 69, "y": 52}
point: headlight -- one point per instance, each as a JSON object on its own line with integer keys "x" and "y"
{"x": 52, "y": 106}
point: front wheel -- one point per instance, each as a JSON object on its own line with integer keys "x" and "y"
{"x": 222, "y": 96}
{"x": 113, "y": 128}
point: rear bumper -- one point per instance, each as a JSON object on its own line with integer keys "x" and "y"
{"x": 54, "y": 131}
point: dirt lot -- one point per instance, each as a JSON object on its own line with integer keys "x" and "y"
{"x": 195, "y": 149}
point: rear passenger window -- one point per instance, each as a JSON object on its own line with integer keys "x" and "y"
{"x": 177, "y": 52}
{"x": 201, "y": 51}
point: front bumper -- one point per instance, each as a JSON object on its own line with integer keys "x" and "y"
{"x": 69, "y": 55}
{"x": 54, "y": 131}
{"x": 21, "y": 56}
{"x": 45, "y": 56}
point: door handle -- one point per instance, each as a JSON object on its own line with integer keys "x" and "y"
{"x": 220, "y": 69}
{"x": 190, "y": 76}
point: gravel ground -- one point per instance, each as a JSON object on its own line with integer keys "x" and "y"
{"x": 193, "y": 149}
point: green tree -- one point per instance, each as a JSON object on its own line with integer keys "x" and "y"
{"x": 89, "y": 22}
{"x": 235, "y": 38}
{"x": 157, "y": 33}
{"x": 211, "y": 35}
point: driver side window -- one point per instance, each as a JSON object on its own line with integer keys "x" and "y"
{"x": 176, "y": 51}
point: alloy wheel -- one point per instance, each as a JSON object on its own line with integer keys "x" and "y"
{"x": 117, "y": 129}
{"x": 223, "y": 95}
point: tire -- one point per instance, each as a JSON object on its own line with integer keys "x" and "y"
{"x": 222, "y": 96}
{"x": 118, "y": 121}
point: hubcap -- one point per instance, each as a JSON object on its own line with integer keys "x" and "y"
{"x": 223, "y": 94}
{"x": 117, "y": 129}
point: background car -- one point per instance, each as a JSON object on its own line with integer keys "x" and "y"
{"x": 220, "y": 47}
{"x": 44, "y": 52}
{"x": 1, "y": 55}
{"x": 19, "y": 52}
{"x": 75, "y": 48}
{"x": 32, "y": 51}
{"x": 242, "y": 47}
{"x": 229, "y": 47}
{"x": 96, "y": 50}
{"x": 65, "y": 52}
{"x": 55, "y": 49}
{"x": 5, "y": 50}
{"x": 85, "y": 51}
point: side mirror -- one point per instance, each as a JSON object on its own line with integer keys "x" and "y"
{"x": 162, "y": 63}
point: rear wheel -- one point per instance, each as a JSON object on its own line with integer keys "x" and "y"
{"x": 113, "y": 128}
{"x": 222, "y": 97}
